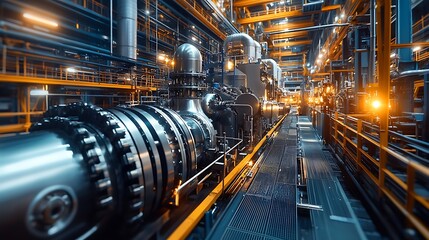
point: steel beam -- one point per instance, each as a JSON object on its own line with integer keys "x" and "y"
{"x": 4, "y": 78}
{"x": 383, "y": 15}
{"x": 290, "y": 63}
{"x": 293, "y": 43}
{"x": 291, "y": 25}
{"x": 288, "y": 35}
{"x": 410, "y": 45}
{"x": 250, "y": 3}
{"x": 215, "y": 29}
{"x": 285, "y": 54}
{"x": 288, "y": 14}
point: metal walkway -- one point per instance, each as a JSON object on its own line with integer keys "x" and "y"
{"x": 267, "y": 209}
{"x": 337, "y": 220}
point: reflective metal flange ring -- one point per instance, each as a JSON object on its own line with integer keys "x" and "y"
{"x": 174, "y": 139}
{"x": 160, "y": 143}
{"x": 146, "y": 195}
{"x": 190, "y": 164}
{"x": 152, "y": 159}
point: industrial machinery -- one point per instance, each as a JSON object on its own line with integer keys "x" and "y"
{"x": 84, "y": 171}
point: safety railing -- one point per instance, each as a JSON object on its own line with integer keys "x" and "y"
{"x": 21, "y": 67}
{"x": 421, "y": 24}
{"x": 68, "y": 69}
{"x": 276, "y": 10}
{"x": 421, "y": 55}
{"x": 202, "y": 11}
{"x": 95, "y": 6}
{"x": 163, "y": 36}
{"x": 402, "y": 178}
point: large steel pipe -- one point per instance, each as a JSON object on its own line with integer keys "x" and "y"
{"x": 83, "y": 167}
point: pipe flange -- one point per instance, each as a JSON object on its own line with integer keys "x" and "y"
{"x": 174, "y": 138}
{"x": 208, "y": 142}
{"x": 91, "y": 153}
{"x": 126, "y": 152}
{"x": 123, "y": 149}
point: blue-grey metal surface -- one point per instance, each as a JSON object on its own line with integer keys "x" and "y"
{"x": 337, "y": 220}
{"x": 268, "y": 209}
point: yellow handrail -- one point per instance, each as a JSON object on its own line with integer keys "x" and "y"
{"x": 340, "y": 132}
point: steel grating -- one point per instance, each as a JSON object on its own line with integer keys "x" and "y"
{"x": 234, "y": 234}
{"x": 264, "y": 181}
{"x": 268, "y": 209}
{"x": 282, "y": 219}
{"x": 274, "y": 158}
{"x": 287, "y": 171}
{"x": 337, "y": 219}
{"x": 252, "y": 214}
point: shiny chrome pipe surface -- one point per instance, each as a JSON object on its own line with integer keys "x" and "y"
{"x": 84, "y": 168}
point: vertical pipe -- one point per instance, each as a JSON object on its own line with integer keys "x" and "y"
{"x": 156, "y": 27}
{"x": 111, "y": 27}
{"x": 404, "y": 35}
{"x": 372, "y": 44}
{"x": 127, "y": 28}
{"x": 231, "y": 9}
{"x": 404, "y": 29}
{"x": 383, "y": 14}
{"x": 426, "y": 108}
{"x": 4, "y": 59}
{"x": 358, "y": 71}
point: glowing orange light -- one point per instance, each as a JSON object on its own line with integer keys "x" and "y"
{"x": 40, "y": 20}
{"x": 376, "y": 104}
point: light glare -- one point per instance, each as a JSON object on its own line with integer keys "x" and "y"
{"x": 40, "y": 20}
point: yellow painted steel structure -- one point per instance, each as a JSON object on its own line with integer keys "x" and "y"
{"x": 289, "y": 35}
{"x": 250, "y": 3}
{"x": 186, "y": 227}
{"x": 285, "y": 54}
{"x": 383, "y": 14}
{"x": 291, "y": 25}
{"x": 290, "y": 63}
{"x": 197, "y": 11}
{"x": 293, "y": 43}
{"x": 283, "y": 14}
{"x": 345, "y": 129}
{"x": 335, "y": 39}
{"x": 5, "y": 78}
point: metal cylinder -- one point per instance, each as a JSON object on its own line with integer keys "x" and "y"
{"x": 187, "y": 59}
{"x": 43, "y": 186}
{"x": 258, "y": 51}
{"x": 83, "y": 166}
{"x": 127, "y": 28}
{"x": 186, "y": 91}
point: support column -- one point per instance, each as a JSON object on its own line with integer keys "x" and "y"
{"x": 404, "y": 34}
{"x": 383, "y": 13}
{"x": 425, "y": 134}
{"x": 404, "y": 28}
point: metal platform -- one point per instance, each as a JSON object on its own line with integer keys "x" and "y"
{"x": 337, "y": 220}
{"x": 267, "y": 210}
